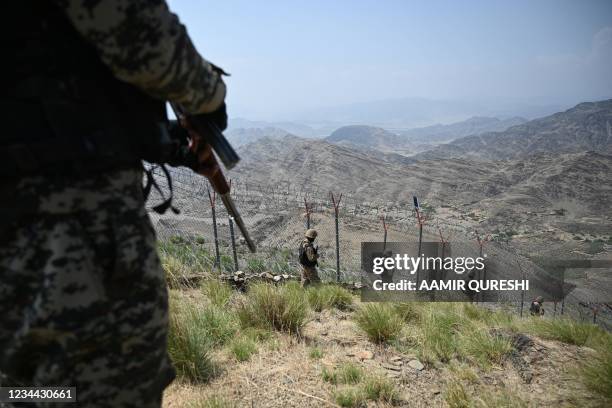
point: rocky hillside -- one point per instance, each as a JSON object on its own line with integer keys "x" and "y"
{"x": 242, "y": 136}
{"x": 366, "y": 137}
{"x": 587, "y": 126}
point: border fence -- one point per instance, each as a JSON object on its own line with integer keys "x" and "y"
{"x": 277, "y": 216}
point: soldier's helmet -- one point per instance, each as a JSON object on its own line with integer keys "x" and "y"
{"x": 311, "y": 233}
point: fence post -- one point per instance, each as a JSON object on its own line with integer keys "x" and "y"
{"x": 420, "y": 220}
{"x": 233, "y": 237}
{"x": 308, "y": 209}
{"x": 385, "y": 227}
{"x": 336, "y": 206}
{"x": 562, "y": 304}
{"x": 212, "y": 197}
{"x": 522, "y": 290}
{"x": 481, "y": 243}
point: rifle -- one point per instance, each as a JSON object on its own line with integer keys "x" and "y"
{"x": 203, "y": 132}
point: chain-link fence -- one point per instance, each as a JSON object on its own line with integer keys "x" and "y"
{"x": 277, "y": 217}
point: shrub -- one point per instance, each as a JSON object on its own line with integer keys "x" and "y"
{"x": 379, "y": 388}
{"x": 217, "y": 292}
{"x": 282, "y": 308}
{"x": 328, "y": 296}
{"x": 379, "y": 321}
{"x": 243, "y": 347}
{"x": 349, "y": 397}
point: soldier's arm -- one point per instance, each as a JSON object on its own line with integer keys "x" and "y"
{"x": 311, "y": 254}
{"x": 145, "y": 44}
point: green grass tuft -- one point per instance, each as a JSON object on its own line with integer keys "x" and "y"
{"x": 219, "y": 293}
{"x": 347, "y": 373}
{"x": 243, "y": 348}
{"x": 456, "y": 396}
{"x": 349, "y": 397}
{"x": 329, "y": 296}
{"x": 378, "y": 388}
{"x": 283, "y": 308}
{"x": 315, "y": 353}
{"x": 379, "y": 321}
{"x": 194, "y": 332}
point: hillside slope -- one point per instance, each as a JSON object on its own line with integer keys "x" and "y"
{"x": 587, "y": 126}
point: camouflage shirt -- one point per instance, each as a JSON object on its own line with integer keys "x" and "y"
{"x": 310, "y": 251}
{"x": 145, "y": 44}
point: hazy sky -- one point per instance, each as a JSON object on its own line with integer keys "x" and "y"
{"x": 289, "y": 56}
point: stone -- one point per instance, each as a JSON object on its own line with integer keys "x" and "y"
{"x": 416, "y": 364}
{"x": 392, "y": 367}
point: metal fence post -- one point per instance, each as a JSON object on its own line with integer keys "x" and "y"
{"x": 420, "y": 220}
{"x": 233, "y": 237}
{"x": 522, "y": 290}
{"x": 336, "y": 206}
{"x": 212, "y": 197}
{"x": 385, "y": 227}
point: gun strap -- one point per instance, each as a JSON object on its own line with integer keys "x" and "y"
{"x": 167, "y": 202}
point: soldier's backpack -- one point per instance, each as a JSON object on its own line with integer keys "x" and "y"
{"x": 304, "y": 257}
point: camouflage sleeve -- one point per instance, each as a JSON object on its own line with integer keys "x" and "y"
{"x": 311, "y": 254}
{"x": 145, "y": 44}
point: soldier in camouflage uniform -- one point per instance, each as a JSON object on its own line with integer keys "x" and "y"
{"x": 83, "y": 300}
{"x": 308, "y": 259}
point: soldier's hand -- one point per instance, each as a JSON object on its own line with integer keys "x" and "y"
{"x": 205, "y": 163}
{"x": 218, "y": 117}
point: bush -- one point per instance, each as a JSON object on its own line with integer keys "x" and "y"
{"x": 217, "y": 292}
{"x": 379, "y": 388}
{"x": 379, "y": 321}
{"x": 243, "y": 348}
{"x": 328, "y": 296}
{"x": 349, "y": 397}
{"x": 282, "y": 308}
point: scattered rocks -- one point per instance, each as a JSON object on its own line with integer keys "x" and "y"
{"x": 416, "y": 364}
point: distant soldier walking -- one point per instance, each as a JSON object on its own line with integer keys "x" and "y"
{"x": 308, "y": 259}
{"x": 537, "y": 308}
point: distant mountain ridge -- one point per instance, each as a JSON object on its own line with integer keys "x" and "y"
{"x": 585, "y": 127}
{"x": 418, "y": 139}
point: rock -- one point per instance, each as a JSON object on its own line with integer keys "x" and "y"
{"x": 238, "y": 273}
{"x": 416, "y": 364}
{"x": 285, "y": 276}
{"x": 364, "y": 355}
{"x": 392, "y": 367}
{"x": 276, "y": 278}
{"x": 396, "y": 358}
